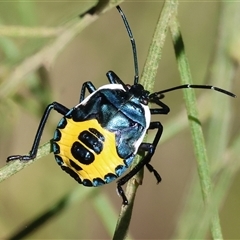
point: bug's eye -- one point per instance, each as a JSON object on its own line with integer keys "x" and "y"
{"x": 128, "y": 86}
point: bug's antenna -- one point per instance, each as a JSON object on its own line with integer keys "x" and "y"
{"x": 136, "y": 76}
{"x": 160, "y": 93}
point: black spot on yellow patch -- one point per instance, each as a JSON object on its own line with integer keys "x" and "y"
{"x": 89, "y": 151}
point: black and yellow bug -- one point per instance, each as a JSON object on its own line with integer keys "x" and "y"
{"x": 96, "y": 141}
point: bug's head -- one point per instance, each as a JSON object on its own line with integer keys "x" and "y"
{"x": 138, "y": 91}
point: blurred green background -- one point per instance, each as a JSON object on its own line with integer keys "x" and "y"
{"x": 102, "y": 46}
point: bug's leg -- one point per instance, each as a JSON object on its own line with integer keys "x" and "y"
{"x": 163, "y": 110}
{"x": 150, "y": 168}
{"x": 33, "y": 152}
{"x": 89, "y": 86}
{"x": 113, "y": 78}
{"x": 150, "y": 149}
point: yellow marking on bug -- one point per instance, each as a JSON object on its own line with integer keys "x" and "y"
{"x": 104, "y": 163}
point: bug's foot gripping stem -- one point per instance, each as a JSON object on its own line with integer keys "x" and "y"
{"x": 20, "y": 157}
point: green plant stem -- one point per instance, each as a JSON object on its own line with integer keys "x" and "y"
{"x": 190, "y": 101}
{"x": 30, "y": 32}
{"x": 195, "y": 126}
{"x": 155, "y": 50}
{"x": 223, "y": 68}
{"x": 147, "y": 80}
{"x": 15, "y": 166}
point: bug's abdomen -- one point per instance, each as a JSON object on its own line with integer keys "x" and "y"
{"x": 87, "y": 152}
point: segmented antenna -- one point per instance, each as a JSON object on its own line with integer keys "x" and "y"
{"x": 193, "y": 86}
{"x": 136, "y": 76}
